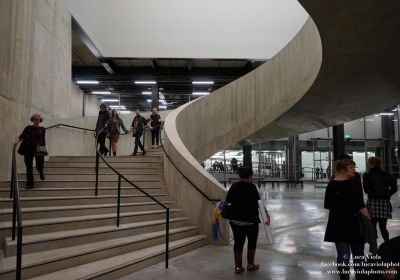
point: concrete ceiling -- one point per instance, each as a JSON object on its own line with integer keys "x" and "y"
{"x": 207, "y": 29}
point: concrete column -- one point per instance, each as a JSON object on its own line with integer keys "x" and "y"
{"x": 247, "y": 156}
{"x": 154, "y": 96}
{"x": 293, "y": 159}
{"x": 388, "y": 132}
{"x": 338, "y": 141}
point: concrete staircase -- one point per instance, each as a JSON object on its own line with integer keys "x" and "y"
{"x": 71, "y": 234}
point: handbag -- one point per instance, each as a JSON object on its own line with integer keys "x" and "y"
{"x": 367, "y": 232}
{"x": 226, "y": 212}
{"x": 22, "y": 147}
{"x": 41, "y": 151}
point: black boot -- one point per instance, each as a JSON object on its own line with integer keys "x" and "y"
{"x": 251, "y": 253}
{"x": 238, "y": 262}
{"x": 114, "y": 153}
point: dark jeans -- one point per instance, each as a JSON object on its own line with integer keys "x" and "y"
{"x": 382, "y": 227}
{"x": 343, "y": 258}
{"x": 239, "y": 235}
{"x": 102, "y": 142}
{"x": 28, "y": 158}
{"x": 138, "y": 143}
{"x": 155, "y": 137}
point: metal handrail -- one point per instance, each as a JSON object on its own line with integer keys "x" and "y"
{"x": 70, "y": 126}
{"x": 212, "y": 200}
{"x": 120, "y": 176}
{"x": 17, "y": 216}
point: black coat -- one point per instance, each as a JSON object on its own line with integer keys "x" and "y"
{"x": 344, "y": 199}
{"x": 102, "y": 119}
{"x": 244, "y": 198}
{"x": 379, "y": 184}
{"x": 32, "y": 137}
{"x": 141, "y": 125}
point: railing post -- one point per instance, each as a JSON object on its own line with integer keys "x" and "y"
{"x": 119, "y": 199}
{"x": 14, "y": 218}
{"x": 167, "y": 240}
{"x": 144, "y": 139}
{"x": 97, "y": 171}
{"x": 19, "y": 254}
{"x": 12, "y": 181}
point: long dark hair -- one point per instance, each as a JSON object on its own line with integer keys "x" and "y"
{"x": 116, "y": 114}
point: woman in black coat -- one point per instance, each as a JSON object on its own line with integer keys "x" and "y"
{"x": 32, "y": 136}
{"x": 243, "y": 198}
{"x": 344, "y": 199}
{"x": 379, "y": 186}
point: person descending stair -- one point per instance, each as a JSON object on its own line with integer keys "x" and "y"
{"x": 114, "y": 125}
{"x": 32, "y": 137}
{"x": 137, "y": 128}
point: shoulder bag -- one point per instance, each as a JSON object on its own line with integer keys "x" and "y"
{"x": 41, "y": 151}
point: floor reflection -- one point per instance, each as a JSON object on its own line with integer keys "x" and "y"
{"x": 298, "y": 227}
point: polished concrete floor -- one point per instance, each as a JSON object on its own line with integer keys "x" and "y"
{"x": 298, "y": 226}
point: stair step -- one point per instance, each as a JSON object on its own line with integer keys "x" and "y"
{"x": 30, "y": 213}
{"x": 53, "y": 240}
{"x": 118, "y": 266}
{"x": 92, "y": 177}
{"x": 67, "y": 223}
{"x": 102, "y": 170}
{"x": 81, "y": 184}
{"x": 34, "y": 264}
{"x": 109, "y": 159}
{"x": 77, "y": 200}
{"x": 71, "y": 191}
{"x": 138, "y": 165}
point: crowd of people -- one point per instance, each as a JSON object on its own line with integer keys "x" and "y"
{"x": 33, "y": 137}
{"x": 110, "y": 126}
{"x": 351, "y": 222}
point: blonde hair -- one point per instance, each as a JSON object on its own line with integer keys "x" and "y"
{"x": 34, "y": 116}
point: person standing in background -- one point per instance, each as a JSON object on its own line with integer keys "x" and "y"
{"x": 102, "y": 119}
{"x": 379, "y": 186}
{"x": 32, "y": 137}
{"x": 155, "y": 126}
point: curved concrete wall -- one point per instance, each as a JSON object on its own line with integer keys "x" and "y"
{"x": 198, "y": 129}
{"x": 360, "y": 70}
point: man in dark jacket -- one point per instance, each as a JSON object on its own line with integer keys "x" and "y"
{"x": 137, "y": 127}
{"x": 102, "y": 119}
